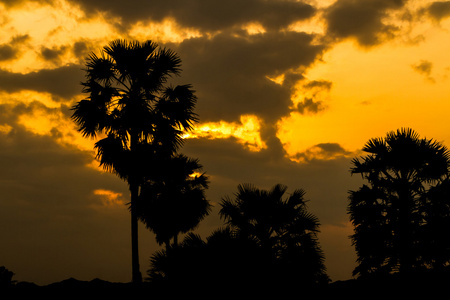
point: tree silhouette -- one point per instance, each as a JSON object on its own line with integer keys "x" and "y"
{"x": 283, "y": 228}
{"x": 139, "y": 117}
{"x": 6, "y": 277}
{"x": 174, "y": 201}
{"x": 403, "y": 209}
{"x": 267, "y": 244}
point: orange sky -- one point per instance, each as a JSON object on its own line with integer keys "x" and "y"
{"x": 318, "y": 78}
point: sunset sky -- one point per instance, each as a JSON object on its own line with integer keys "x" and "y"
{"x": 288, "y": 92}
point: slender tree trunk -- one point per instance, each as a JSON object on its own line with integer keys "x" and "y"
{"x": 134, "y": 191}
{"x": 136, "y": 273}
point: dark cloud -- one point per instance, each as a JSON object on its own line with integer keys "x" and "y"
{"x": 230, "y": 72}
{"x": 439, "y": 10}
{"x": 362, "y": 20}
{"x": 205, "y": 14}
{"x": 62, "y": 82}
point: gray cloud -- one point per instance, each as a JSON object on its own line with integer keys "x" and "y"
{"x": 62, "y": 82}
{"x": 205, "y": 14}
{"x": 362, "y": 20}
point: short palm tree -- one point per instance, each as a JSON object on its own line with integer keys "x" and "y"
{"x": 137, "y": 115}
{"x": 283, "y": 228}
{"x": 393, "y": 213}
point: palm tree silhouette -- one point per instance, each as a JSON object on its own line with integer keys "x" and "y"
{"x": 281, "y": 227}
{"x": 391, "y": 213}
{"x": 139, "y": 117}
{"x": 174, "y": 200}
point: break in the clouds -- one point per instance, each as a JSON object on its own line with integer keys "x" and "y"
{"x": 363, "y": 20}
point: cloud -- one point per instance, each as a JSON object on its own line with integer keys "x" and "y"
{"x": 362, "y": 20}
{"x": 439, "y": 10}
{"x": 54, "y": 53}
{"x": 11, "y": 50}
{"x": 205, "y": 14}
{"x": 424, "y": 67}
{"x": 311, "y": 92}
{"x": 229, "y": 72}
{"x": 322, "y": 151}
{"x": 63, "y": 82}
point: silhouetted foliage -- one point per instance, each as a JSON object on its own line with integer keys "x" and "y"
{"x": 222, "y": 262}
{"x": 283, "y": 228}
{"x": 6, "y": 277}
{"x": 140, "y": 116}
{"x": 267, "y": 243}
{"x": 174, "y": 201}
{"x": 401, "y": 217}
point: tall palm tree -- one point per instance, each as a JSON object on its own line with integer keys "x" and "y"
{"x": 174, "y": 200}
{"x": 137, "y": 115}
{"x": 390, "y": 213}
{"x": 283, "y": 228}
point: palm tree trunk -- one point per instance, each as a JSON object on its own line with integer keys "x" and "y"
{"x": 136, "y": 273}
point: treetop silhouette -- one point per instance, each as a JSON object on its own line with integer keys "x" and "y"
{"x": 401, "y": 214}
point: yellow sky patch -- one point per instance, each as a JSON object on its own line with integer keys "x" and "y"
{"x": 375, "y": 91}
{"x": 110, "y": 198}
{"x": 52, "y": 27}
{"x": 162, "y": 32}
{"x": 246, "y": 132}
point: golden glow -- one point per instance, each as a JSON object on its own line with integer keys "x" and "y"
{"x": 277, "y": 79}
{"x": 110, "y": 198}
{"x": 195, "y": 174}
{"x": 254, "y": 28}
{"x": 246, "y": 132}
{"x": 42, "y": 26}
{"x": 5, "y": 128}
{"x": 165, "y": 31}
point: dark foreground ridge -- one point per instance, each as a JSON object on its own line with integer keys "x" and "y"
{"x": 430, "y": 287}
